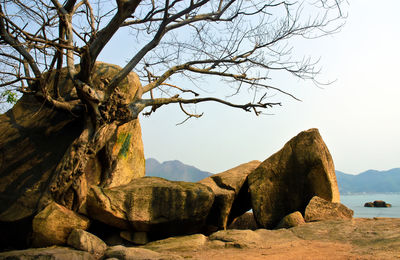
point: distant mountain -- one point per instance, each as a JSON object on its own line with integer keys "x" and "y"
{"x": 174, "y": 171}
{"x": 371, "y": 181}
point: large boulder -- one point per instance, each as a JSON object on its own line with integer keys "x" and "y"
{"x": 232, "y": 198}
{"x": 286, "y": 181}
{"x": 319, "y": 209}
{"x": 154, "y": 205}
{"x": 34, "y": 138}
{"x": 53, "y": 225}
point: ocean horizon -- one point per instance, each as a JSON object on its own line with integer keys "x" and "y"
{"x": 356, "y": 202}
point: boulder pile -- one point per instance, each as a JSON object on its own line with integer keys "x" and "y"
{"x": 294, "y": 186}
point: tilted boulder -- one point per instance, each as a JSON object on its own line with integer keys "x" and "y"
{"x": 53, "y": 225}
{"x": 152, "y": 204}
{"x": 232, "y": 198}
{"x": 34, "y": 138}
{"x": 85, "y": 241}
{"x": 286, "y": 181}
{"x": 319, "y": 209}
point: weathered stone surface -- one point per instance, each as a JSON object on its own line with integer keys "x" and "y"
{"x": 232, "y": 198}
{"x": 53, "y": 225}
{"x": 126, "y": 150}
{"x": 85, "y": 241}
{"x": 245, "y": 221}
{"x": 252, "y": 239}
{"x": 286, "y": 181}
{"x": 137, "y": 238}
{"x": 152, "y": 204}
{"x": 292, "y": 220}
{"x": 50, "y": 253}
{"x": 319, "y": 209}
{"x": 181, "y": 243}
{"x": 34, "y": 137}
{"x": 135, "y": 253}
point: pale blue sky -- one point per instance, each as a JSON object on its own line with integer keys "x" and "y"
{"x": 358, "y": 116}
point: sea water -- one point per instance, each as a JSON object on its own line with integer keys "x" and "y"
{"x": 356, "y": 202}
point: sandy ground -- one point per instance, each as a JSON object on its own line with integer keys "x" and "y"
{"x": 356, "y": 239}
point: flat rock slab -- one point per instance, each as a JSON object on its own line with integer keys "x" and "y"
{"x": 59, "y": 253}
{"x": 191, "y": 242}
{"x": 134, "y": 253}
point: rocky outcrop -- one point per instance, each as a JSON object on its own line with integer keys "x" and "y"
{"x": 292, "y": 220}
{"x": 53, "y": 225}
{"x": 286, "y": 181}
{"x": 377, "y": 204}
{"x": 232, "y": 198}
{"x": 34, "y": 138}
{"x": 153, "y": 205}
{"x": 85, "y": 241}
{"x": 134, "y": 253}
{"x": 319, "y": 209}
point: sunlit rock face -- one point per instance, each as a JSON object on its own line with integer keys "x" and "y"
{"x": 35, "y": 136}
{"x": 286, "y": 181}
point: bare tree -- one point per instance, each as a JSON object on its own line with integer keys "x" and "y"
{"x": 239, "y": 41}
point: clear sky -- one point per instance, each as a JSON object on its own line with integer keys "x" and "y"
{"x": 358, "y": 116}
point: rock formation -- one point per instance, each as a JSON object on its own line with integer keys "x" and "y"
{"x": 33, "y": 140}
{"x": 153, "y": 205}
{"x": 377, "y": 204}
{"x": 232, "y": 198}
{"x": 286, "y": 181}
{"x": 299, "y": 180}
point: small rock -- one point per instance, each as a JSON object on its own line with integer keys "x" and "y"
{"x": 53, "y": 225}
{"x": 292, "y": 220}
{"x": 85, "y": 241}
{"x": 369, "y": 204}
{"x": 319, "y": 209}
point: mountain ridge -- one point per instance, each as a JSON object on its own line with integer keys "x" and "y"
{"x": 370, "y": 181}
